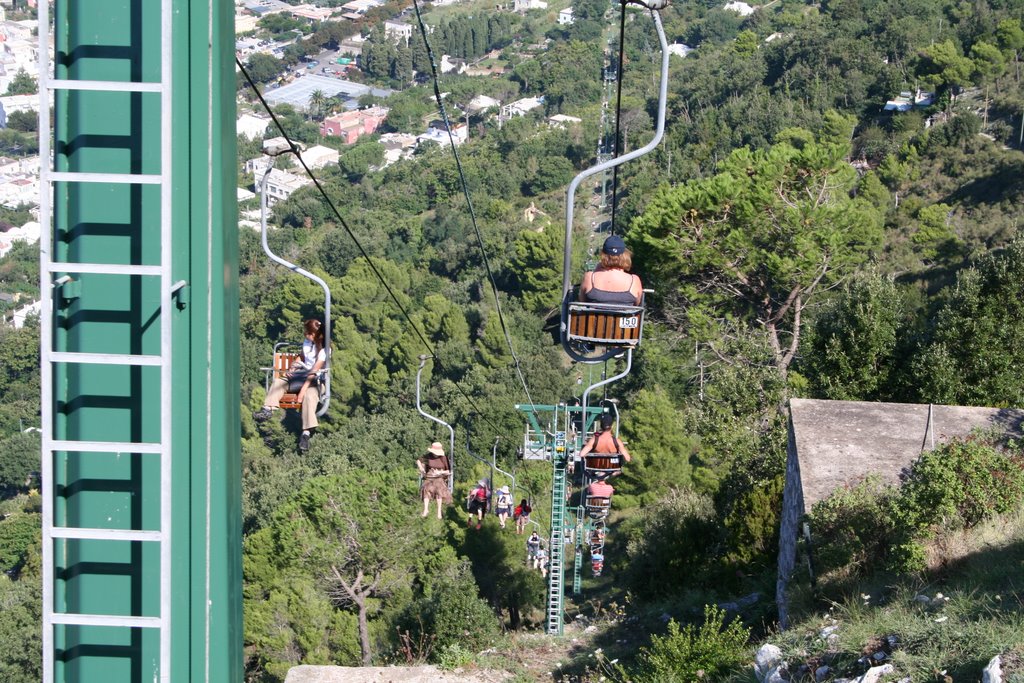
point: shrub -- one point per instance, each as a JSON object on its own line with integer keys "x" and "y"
{"x": 453, "y": 656}
{"x": 753, "y": 525}
{"x": 957, "y": 485}
{"x": 692, "y": 654}
{"x": 852, "y": 528}
{"x": 453, "y": 613}
{"x": 665, "y": 540}
{"x": 963, "y": 483}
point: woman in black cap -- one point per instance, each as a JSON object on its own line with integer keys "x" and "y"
{"x": 611, "y": 282}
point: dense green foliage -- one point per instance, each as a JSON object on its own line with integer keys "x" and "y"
{"x": 799, "y": 240}
{"x": 18, "y": 533}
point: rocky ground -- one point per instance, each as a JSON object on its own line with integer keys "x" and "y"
{"x": 391, "y": 674}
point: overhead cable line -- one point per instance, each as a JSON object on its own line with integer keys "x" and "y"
{"x": 344, "y": 224}
{"x": 617, "y": 140}
{"x": 469, "y": 201}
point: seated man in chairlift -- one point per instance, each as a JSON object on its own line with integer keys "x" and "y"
{"x": 611, "y": 282}
{"x": 604, "y": 442}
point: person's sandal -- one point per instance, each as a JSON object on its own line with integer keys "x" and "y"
{"x": 263, "y": 414}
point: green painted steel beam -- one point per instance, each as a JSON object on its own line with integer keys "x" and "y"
{"x": 115, "y": 132}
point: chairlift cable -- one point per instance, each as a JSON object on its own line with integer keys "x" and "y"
{"x": 295, "y": 150}
{"x": 469, "y": 201}
{"x": 617, "y": 140}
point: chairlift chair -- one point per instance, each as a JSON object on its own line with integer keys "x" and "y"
{"x": 285, "y": 355}
{"x": 598, "y": 507}
{"x": 593, "y": 332}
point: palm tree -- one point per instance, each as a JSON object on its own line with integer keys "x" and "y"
{"x": 317, "y": 102}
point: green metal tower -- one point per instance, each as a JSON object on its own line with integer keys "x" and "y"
{"x": 557, "y": 433}
{"x": 139, "y": 342}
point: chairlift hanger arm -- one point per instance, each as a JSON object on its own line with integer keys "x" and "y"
{"x": 451, "y": 430}
{"x": 613, "y": 378}
{"x": 612, "y": 163}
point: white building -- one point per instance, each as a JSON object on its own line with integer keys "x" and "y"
{"x": 13, "y": 103}
{"x": 359, "y": 7}
{"x": 437, "y": 133}
{"x": 27, "y": 166}
{"x": 281, "y": 185}
{"x": 312, "y": 14}
{"x": 19, "y": 49}
{"x": 398, "y": 31}
{"x": 319, "y": 156}
{"x": 526, "y": 5}
{"x": 19, "y": 190}
{"x": 565, "y": 17}
{"x": 740, "y": 8}
{"x": 18, "y": 318}
{"x": 520, "y": 107}
{"x": 251, "y": 126}
{"x": 398, "y": 146}
{"x": 26, "y": 233}
{"x": 482, "y": 102}
{"x": 453, "y": 65}
{"x": 561, "y": 121}
{"x": 679, "y": 49}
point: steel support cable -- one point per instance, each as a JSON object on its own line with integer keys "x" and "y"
{"x": 469, "y": 201}
{"x": 617, "y": 140}
{"x": 344, "y": 224}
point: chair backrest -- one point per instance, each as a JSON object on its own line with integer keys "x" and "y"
{"x": 602, "y": 462}
{"x": 605, "y": 324}
{"x": 283, "y": 362}
{"x": 598, "y": 506}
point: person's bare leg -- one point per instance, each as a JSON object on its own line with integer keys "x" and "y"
{"x": 439, "y": 508}
{"x": 426, "y": 506}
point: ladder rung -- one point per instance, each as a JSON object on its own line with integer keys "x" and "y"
{"x": 104, "y": 620}
{"x": 105, "y": 534}
{"x": 103, "y": 358}
{"x": 105, "y": 446}
{"x": 102, "y": 268}
{"x": 105, "y": 86}
{"x": 121, "y": 178}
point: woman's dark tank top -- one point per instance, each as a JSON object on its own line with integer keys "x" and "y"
{"x": 603, "y": 296}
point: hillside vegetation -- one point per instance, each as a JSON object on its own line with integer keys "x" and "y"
{"x": 800, "y": 242}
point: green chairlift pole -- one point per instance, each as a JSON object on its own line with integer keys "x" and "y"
{"x": 139, "y": 342}
{"x": 550, "y": 436}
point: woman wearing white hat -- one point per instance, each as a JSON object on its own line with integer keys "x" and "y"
{"x": 504, "y": 505}
{"x": 435, "y": 470}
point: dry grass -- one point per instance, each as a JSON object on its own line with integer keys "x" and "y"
{"x": 948, "y": 547}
